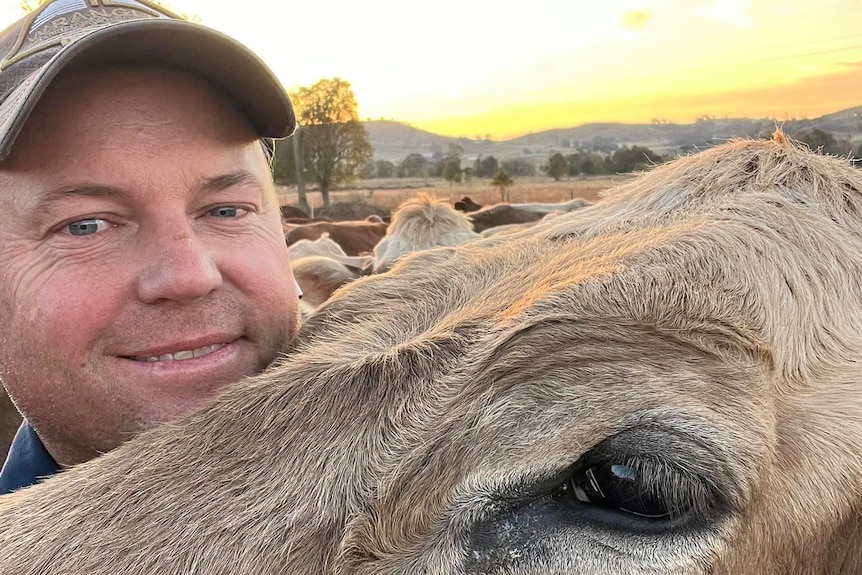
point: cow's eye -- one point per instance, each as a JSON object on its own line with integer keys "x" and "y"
{"x": 644, "y": 488}
{"x": 620, "y": 486}
{"x": 642, "y": 483}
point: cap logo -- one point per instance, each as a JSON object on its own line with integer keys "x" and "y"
{"x": 63, "y": 21}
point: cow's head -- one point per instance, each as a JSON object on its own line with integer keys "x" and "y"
{"x": 664, "y": 382}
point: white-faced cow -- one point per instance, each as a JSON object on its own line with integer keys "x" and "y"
{"x": 668, "y": 382}
{"x": 326, "y": 247}
{"x": 320, "y": 267}
{"x": 421, "y": 223}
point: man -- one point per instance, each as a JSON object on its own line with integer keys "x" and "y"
{"x": 143, "y": 262}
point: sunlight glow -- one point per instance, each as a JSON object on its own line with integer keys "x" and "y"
{"x": 466, "y": 68}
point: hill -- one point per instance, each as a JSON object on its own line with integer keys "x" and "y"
{"x": 393, "y": 141}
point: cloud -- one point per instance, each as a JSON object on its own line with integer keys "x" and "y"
{"x": 733, "y": 12}
{"x": 636, "y": 19}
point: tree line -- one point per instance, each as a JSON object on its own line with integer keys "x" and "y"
{"x": 331, "y": 147}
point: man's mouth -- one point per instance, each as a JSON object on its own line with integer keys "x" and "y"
{"x": 181, "y": 355}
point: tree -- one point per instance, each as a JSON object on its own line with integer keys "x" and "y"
{"x": 335, "y": 145}
{"x": 588, "y": 167}
{"x": 486, "y": 167}
{"x": 518, "y": 167}
{"x": 634, "y": 158}
{"x": 502, "y": 181}
{"x": 557, "y": 167}
{"x": 284, "y": 173}
{"x": 413, "y": 166}
{"x": 449, "y": 167}
{"x": 817, "y": 140}
{"x": 825, "y": 143}
{"x": 283, "y": 164}
{"x": 455, "y": 151}
{"x": 452, "y": 170}
{"x": 574, "y": 160}
{"x": 384, "y": 168}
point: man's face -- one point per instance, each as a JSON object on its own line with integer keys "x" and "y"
{"x": 143, "y": 261}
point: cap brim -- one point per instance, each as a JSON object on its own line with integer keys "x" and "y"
{"x": 224, "y": 62}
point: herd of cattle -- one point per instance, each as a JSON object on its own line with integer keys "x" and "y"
{"x": 327, "y": 254}
{"x": 668, "y": 381}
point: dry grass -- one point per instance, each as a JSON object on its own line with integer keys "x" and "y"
{"x": 388, "y": 194}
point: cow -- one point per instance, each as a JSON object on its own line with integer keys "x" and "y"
{"x": 326, "y": 247}
{"x": 505, "y": 214}
{"x": 665, "y": 383}
{"x": 320, "y": 267}
{"x": 507, "y": 229}
{"x": 318, "y": 277}
{"x": 421, "y": 223}
{"x": 288, "y": 212}
{"x": 356, "y": 237}
{"x": 467, "y": 205}
{"x": 302, "y": 221}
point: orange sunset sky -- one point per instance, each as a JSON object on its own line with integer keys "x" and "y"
{"x": 482, "y": 67}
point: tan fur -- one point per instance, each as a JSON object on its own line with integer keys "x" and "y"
{"x": 318, "y": 278}
{"x": 421, "y": 223}
{"x": 705, "y": 317}
{"x": 326, "y": 247}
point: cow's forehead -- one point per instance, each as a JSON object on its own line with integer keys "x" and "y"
{"x": 498, "y": 283}
{"x": 723, "y": 243}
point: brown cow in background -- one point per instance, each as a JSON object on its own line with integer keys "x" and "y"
{"x": 356, "y": 237}
{"x": 288, "y": 212}
{"x": 467, "y": 205}
{"x": 665, "y": 383}
{"x": 507, "y": 214}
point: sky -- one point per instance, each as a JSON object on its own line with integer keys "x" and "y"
{"x": 503, "y": 69}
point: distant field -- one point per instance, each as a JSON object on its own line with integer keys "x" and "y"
{"x": 388, "y": 194}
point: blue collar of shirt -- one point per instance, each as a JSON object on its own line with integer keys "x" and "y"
{"x": 28, "y": 461}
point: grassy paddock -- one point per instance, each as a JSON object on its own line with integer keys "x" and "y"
{"x": 387, "y": 194}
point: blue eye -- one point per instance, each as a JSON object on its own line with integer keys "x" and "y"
{"x": 227, "y": 212}
{"x": 87, "y": 227}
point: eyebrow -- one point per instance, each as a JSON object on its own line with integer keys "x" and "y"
{"x": 49, "y": 198}
{"x": 225, "y": 181}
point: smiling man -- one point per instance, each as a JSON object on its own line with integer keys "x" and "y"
{"x": 142, "y": 256}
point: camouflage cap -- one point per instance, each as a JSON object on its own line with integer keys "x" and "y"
{"x": 81, "y": 32}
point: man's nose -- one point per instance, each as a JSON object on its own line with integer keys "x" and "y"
{"x": 180, "y": 268}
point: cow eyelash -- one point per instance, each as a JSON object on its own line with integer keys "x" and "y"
{"x": 639, "y": 488}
